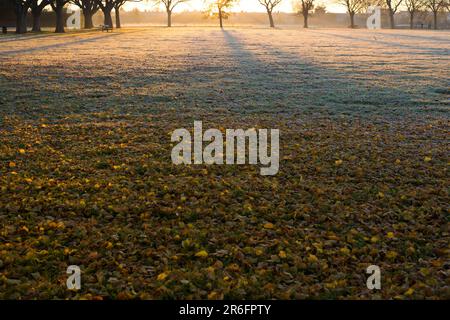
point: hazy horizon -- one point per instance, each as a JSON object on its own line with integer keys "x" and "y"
{"x": 243, "y": 5}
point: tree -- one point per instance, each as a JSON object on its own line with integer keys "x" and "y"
{"x": 37, "y": 6}
{"x": 435, "y": 6}
{"x": 320, "y": 10}
{"x": 270, "y": 5}
{"x": 413, "y": 6}
{"x": 21, "y": 8}
{"x": 304, "y": 7}
{"x": 58, "y": 7}
{"x": 106, "y": 6}
{"x": 353, "y": 7}
{"x": 169, "y": 5}
{"x": 392, "y": 6}
{"x": 117, "y": 6}
{"x": 89, "y": 8}
{"x": 218, "y": 7}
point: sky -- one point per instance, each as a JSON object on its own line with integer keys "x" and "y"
{"x": 243, "y": 5}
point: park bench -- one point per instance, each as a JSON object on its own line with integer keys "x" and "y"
{"x": 5, "y": 28}
{"x": 105, "y": 27}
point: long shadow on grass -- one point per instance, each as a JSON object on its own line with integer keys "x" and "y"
{"x": 409, "y": 36}
{"x": 57, "y": 45}
{"x": 24, "y": 37}
{"x": 288, "y": 85}
{"x": 374, "y": 40}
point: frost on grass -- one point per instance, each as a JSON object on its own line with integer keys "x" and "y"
{"x": 86, "y": 176}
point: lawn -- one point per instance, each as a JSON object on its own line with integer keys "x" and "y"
{"x": 86, "y": 176}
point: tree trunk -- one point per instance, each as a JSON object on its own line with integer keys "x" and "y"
{"x": 411, "y": 19}
{"x": 391, "y": 19}
{"x": 21, "y": 19}
{"x": 59, "y": 17}
{"x": 169, "y": 18}
{"x": 272, "y": 25}
{"x": 352, "y": 20}
{"x": 108, "y": 18}
{"x": 435, "y": 20}
{"x": 117, "y": 11}
{"x": 88, "y": 23}
{"x": 36, "y": 20}
{"x": 220, "y": 18}
{"x": 305, "y": 20}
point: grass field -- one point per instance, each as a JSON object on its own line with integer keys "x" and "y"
{"x": 86, "y": 176}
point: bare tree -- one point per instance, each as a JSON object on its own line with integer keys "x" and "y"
{"x": 392, "y": 6}
{"x": 169, "y": 6}
{"x": 320, "y": 10}
{"x": 435, "y": 6}
{"x": 37, "y": 6}
{"x": 413, "y": 6}
{"x": 58, "y": 7}
{"x": 270, "y": 5}
{"x": 218, "y": 8}
{"x": 117, "y": 6}
{"x": 89, "y": 8}
{"x": 304, "y": 7}
{"x": 353, "y": 7}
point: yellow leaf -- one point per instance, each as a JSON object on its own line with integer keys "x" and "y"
{"x": 391, "y": 254}
{"x": 409, "y": 292}
{"x": 282, "y": 254}
{"x": 268, "y": 225}
{"x": 12, "y": 164}
{"x": 427, "y": 159}
{"x": 213, "y": 295}
{"x": 162, "y": 276}
{"x": 258, "y": 252}
{"x": 345, "y": 250}
{"x": 374, "y": 239}
{"x": 425, "y": 271}
{"x": 390, "y": 235}
{"x": 338, "y": 162}
{"x": 201, "y": 254}
{"x": 312, "y": 258}
{"x": 381, "y": 194}
{"x": 398, "y": 161}
{"x": 21, "y": 151}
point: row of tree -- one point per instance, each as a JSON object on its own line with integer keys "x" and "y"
{"x": 305, "y": 7}
{"x": 392, "y": 7}
{"x": 88, "y": 7}
{"x": 218, "y": 8}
